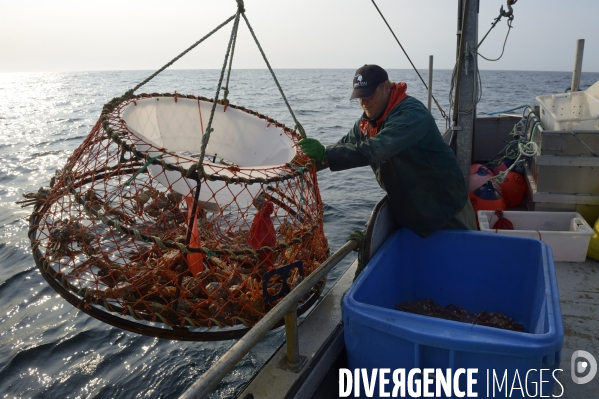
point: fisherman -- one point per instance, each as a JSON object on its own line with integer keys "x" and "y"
{"x": 398, "y": 137}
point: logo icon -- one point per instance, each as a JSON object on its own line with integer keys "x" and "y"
{"x": 579, "y": 366}
{"x": 359, "y": 81}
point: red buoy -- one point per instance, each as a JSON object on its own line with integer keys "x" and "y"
{"x": 513, "y": 189}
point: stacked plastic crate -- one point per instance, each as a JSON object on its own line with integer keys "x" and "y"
{"x": 565, "y": 175}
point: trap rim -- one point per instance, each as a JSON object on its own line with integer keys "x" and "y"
{"x": 120, "y": 135}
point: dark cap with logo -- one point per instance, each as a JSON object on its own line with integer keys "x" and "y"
{"x": 367, "y": 79}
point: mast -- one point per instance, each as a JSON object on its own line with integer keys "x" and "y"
{"x": 577, "y": 65}
{"x": 464, "y": 111}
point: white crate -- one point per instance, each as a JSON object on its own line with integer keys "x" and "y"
{"x": 567, "y": 233}
{"x": 569, "y": 111}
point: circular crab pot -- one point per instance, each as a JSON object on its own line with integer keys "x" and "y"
{"x": 141, "y": 233}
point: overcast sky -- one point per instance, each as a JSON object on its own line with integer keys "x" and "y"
{"x": 70, "y": 35}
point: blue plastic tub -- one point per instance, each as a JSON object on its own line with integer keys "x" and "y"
{"x": 476, "y": 271}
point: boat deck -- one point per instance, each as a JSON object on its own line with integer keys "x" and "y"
{"x": 578, "y": 285}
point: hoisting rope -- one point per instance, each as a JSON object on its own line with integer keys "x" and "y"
{"x": 226, "y": 92}
{"x": 112, "y": 104}
{"x": 206, "y": 137}
{"x": 198, "y": 167}
{"x": 443, "y": 114}
{"x": 182, "y": 54}
{"x": 502, "y": 13}
{"x": 298, "y": 126}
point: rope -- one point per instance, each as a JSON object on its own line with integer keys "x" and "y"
{"x": 477, "y": 94}
{"x": 524, "y": 149}
{"x": 198, "y": 167}
{"x": 443, "y": 114}
{"x": 509, "y": 24}
{"x": 206, "y": 136}
{"x": 520, "y": 148}
{"x": 182, "y": 54}
{"x": 298, "y": 126}
{"x": 502, "y": 13}
{"x": 226, "y": 91}
{"x": 507, "y": 110}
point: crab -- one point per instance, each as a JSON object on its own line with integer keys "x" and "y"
{"x": 64, "y": 232}
{"x": 36, "y": 199}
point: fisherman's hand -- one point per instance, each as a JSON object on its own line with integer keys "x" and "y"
{"x": 314, "y": 149}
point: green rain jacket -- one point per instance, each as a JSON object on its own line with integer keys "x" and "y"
{"x": 412, "y": 163}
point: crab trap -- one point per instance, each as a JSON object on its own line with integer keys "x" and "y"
{"x": 167, "y": 218}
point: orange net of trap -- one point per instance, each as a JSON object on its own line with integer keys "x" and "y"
{"x": 151, "y": 221}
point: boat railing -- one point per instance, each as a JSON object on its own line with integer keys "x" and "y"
{"x": 285, "y": 308}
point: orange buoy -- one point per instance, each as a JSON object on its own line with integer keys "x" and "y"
{"x": 479, "y": 176}
{"x": 513, "y": 189}
{"x": 486, "y": 198}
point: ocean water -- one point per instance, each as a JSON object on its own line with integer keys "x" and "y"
{"x": 48, "y": 349}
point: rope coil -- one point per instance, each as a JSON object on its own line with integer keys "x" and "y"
{"x": 521, "y": 149}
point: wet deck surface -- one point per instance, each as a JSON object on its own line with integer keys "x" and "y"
{"x": 578, "y": 285}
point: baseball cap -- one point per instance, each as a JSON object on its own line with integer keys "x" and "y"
{"x": 367, "y": 79}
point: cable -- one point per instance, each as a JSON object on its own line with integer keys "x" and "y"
{"x": 509, "y": 24}
{"x": 443, "y": 114}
